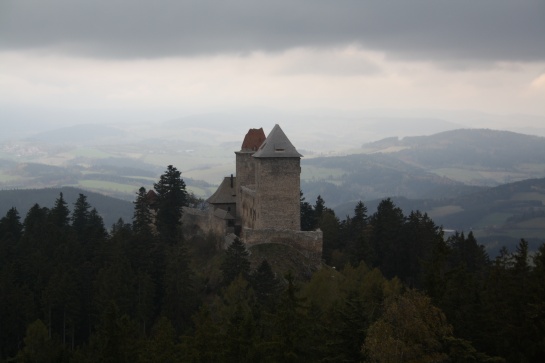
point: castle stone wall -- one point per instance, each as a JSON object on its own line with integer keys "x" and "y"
{"x": 308, "y": 243}
{"x": 248, "y": 206}
{"x": 245, "y": 172}
{"x": 278, "y": 193}
{"x": 205, "y": 221}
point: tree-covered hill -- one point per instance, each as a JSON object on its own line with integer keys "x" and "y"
{"x": 498, "y": 216}
{"x": 111, "y": 209}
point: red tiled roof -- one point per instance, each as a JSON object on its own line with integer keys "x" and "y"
{"x": 253, "y": 139}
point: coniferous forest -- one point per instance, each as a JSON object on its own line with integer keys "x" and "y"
{"x": 393, "y": 288}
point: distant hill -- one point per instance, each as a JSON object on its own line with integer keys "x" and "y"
{"x": 443, "y": 165}
{"x": 475, "y": 156}
{"x": 439, "y": 169}
{"x": 371, "y": 176}
{"x": 118, "y": 177}
{"x": 497, "y": 216}
{"x": 111, "y": 209}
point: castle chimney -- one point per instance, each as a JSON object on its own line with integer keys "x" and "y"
{"x": 231, "y": 180}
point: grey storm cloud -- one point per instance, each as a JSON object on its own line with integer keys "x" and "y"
{"x": 442, "y": 31}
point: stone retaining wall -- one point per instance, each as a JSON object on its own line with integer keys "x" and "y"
{"x": 206, "y": 221}
{"x": 308, "y": 243}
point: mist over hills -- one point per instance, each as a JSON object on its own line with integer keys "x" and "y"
{"x": 443, "y": 165}
{"x": 331, "y": 129}
{"x": 432, "y": 173}
{"x": 87, "y": 134}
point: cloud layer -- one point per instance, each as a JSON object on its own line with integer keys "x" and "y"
{"x": 452, "y": 32}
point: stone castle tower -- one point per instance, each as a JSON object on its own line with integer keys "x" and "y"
{"x": 262, "y": 203}
{"x": 268, "y": 182}
{"x": 245, "y": 166}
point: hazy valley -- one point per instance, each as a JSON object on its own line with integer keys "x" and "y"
{"x": 465, "y": 179}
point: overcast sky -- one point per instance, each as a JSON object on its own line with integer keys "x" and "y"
{"x": 117, "y": 60}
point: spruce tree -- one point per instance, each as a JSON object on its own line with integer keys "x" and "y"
{"x": 360, "y": 216}
{"x": 171, "y": 198}
{"x": 11, "y": 226}
{"x": 142, "y": 218}
{"x": 307, "y": 215}
{"x": 265, "y": 284}
{"x": 11, "y": 230}
{"x": 35, "y": 219}
{"x": 319, "y": 209}
{"x": 95, "y": 229}
{"x": 236, "y": 262}
{"x": 60, "y": 214}
{"x": 357, "y": 235}
{"x": 80, "y": 215}
{"x": 386, "y": 238}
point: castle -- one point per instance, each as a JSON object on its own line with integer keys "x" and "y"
{"x": 261, "y": 204}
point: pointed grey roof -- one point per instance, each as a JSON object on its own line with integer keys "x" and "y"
{"x": 225, "y": 194}
{"x": 277, "y": 145}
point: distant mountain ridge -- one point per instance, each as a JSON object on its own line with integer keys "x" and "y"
{"x": 451, "y": 175}
{"x": 476, "y": 147}
{"x": 443, "y": 165}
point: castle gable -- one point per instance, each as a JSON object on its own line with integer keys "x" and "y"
{"x": 226, "y": 192}
{"x": 277, "y": 145}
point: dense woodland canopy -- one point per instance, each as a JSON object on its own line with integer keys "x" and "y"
{"x": 393, "y": 289}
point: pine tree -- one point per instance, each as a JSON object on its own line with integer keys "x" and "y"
{"x": 142, "y": 218}
{"x": 329, "y": 224}
{"x": 319, "y": 209}
{"x": 145, "y": 251}
{"x": 265, "y": 284}
{"x": 178, "y": 293}
{"x": 35, "y": 220}
{"x": 292, "y": 330}
{"x": 236, "y": 262}
{"x": 60, "y": 214}
{"x": 386, "y": 238}
{"x": 537, "y": 305}
{"x": 80, "y": 216}
{"x": 360, "y": 216}
{"x": 11, "y": 230}
{"x": 10, "y": 225}
{"x": 357, "y": 235}
{"x": 95, "y": 229}
{"x": 307, "y": 215}
{"x": 171, "y": 198}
